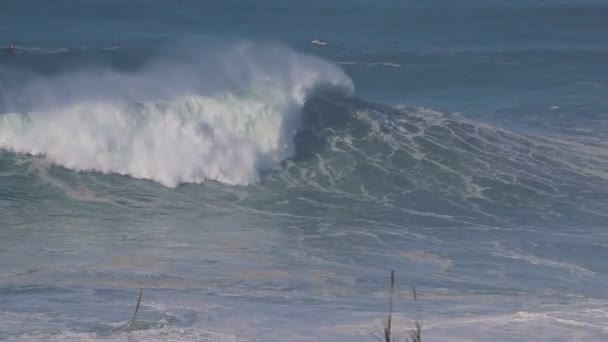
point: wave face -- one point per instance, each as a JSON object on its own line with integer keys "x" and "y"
{"x": 223, "y": 114}
{"x": 426, "y": 164}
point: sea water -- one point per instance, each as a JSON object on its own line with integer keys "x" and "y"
{"x": 260, "y": 188}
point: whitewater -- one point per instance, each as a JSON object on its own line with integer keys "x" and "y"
{"x": 242, "y": 123}
{"x": 259, "y": 187}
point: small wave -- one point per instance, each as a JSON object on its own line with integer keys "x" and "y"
{"x": 384, "y": 64}
{"x": 31, "y": 50}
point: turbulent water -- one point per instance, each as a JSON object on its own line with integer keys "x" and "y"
{"x": 258, "y": 187}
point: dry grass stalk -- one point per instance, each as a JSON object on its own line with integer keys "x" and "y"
{"x": 132, "y": 323}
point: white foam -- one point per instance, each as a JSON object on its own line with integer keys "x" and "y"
{"x": 583, "y": 322}
{"x": 225, "y": 119}
{"x": 160, "y": 334}
{"x": 579, "y": 320}
{"x": 538, "y": 261}
{"x": 521, "y": 326}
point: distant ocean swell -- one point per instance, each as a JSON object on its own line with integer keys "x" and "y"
{"x": 234, "y": 115}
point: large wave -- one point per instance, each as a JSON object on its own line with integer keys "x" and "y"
{"x": 231, "y": 113}
{"x": 223, "y": 114}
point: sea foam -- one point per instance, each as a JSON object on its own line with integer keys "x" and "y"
{"x": 224, "y": 116}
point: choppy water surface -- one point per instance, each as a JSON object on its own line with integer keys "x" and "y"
{"x": 261, "y": 188}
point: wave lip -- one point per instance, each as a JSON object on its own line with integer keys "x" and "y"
{"x": 224, "y": 117}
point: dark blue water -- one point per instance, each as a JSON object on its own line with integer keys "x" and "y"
{"x": 260, "y": 187}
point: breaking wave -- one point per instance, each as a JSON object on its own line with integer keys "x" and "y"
{"x": 222, "y": 116}
{"x": 235, "y": 112}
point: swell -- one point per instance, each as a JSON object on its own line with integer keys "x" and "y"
{"x": 421, "y": 160}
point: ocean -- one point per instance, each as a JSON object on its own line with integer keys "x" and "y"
{"x": 259, "y": 187}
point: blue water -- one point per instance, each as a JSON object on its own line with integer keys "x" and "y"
{"x": 260, "y": 187}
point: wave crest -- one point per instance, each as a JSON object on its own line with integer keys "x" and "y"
{"x": 214, "y": 116}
